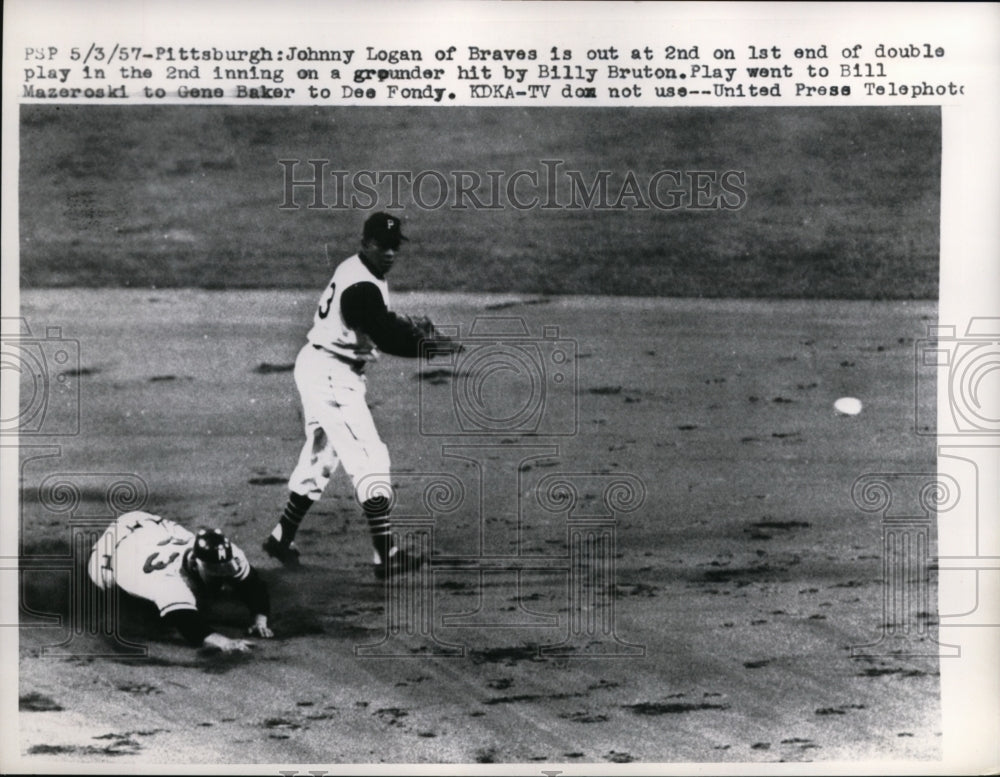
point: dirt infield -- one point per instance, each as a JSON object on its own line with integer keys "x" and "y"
{"x": 712, "y": 621}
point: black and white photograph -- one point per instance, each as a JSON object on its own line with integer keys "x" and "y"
{"x": 515, "y": 400}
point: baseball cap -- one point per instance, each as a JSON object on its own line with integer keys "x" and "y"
{"x": 384, "y": 229}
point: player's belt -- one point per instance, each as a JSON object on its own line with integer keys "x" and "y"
{"x": 358, "y": 365}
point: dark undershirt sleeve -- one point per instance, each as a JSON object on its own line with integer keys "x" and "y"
{"x": 252, "y": 591}
{"x": 364, "y": 309}
{"x": 189, "y": 623}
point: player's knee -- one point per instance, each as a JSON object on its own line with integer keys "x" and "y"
{"x": 320, "y": 443}
{"x": 381, "y": 462}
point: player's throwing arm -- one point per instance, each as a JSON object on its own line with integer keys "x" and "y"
{"x": 351, "y": 325}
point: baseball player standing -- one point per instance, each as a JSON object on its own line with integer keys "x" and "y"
{"x": 352, "y": 323}
{"x": 158, "y": 560}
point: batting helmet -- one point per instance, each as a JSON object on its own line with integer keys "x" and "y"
{"x": 213, "y": 555}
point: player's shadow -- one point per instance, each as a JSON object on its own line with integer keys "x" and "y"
{"x": 61, "y": 610}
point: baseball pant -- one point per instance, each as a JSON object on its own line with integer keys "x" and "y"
{"x": 339, "y": 429}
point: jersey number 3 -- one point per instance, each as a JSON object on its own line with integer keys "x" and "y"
{"x": 327, "y": 301}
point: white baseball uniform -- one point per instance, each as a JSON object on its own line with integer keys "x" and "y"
{"x": 329, "y": 374}
{"x": 145, "y": 555}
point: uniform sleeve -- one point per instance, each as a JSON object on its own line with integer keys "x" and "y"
{"x": 364, "y": 309}
{"x": 252, "y": 590}
{"x": 190, "y": 624}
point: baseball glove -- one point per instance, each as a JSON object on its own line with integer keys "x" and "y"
{"x": 426, "y": 328}
{"x": 435, "y": 343}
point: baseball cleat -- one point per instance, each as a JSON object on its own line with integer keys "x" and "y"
{"x": 400, "y": 563}
{"x": 288, "y": 555}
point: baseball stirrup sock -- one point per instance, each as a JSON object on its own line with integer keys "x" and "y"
{"x": 377, "y": 513}
{"x": 296, "y": 509}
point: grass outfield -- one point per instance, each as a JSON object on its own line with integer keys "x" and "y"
{"x": 840, "y": 203}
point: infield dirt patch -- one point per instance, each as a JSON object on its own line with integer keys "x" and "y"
{"x": 733, "y": 590}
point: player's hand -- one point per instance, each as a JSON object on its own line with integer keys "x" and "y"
{"x": 424, "y": 325}
{"x": 225, "y": 645}
{"x": 435, "y": 342}
{"x": 443, "y": 346}
{"x": 260, "y": 628}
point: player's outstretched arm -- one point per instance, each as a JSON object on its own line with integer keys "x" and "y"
{"x": 365, "y": 310}
{"x": 253, "y": 591}
{"x": 196, "y": 632}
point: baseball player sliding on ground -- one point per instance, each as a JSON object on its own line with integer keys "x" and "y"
{"x": 352, "y": 323}
{"x": 155, "y": 559}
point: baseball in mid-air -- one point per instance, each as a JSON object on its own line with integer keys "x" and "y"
{"x": 848, "y": 406}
